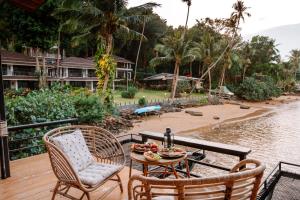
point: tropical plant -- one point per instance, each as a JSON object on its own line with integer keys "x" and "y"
{"x": 294, "y": 60}
{"x": 188, "y": 3}
{"x": 174, "y": 49}
{"x": 142, "y": 101}
{"x": 105, "y": 71}
{"x": 100, "y": 18}
{"x": 89, "y": 109}
{"x": 130, "y": 93}
{"x": 258, "y": 90}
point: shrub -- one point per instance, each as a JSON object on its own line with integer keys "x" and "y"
{"x": 254, "y": 90}
{"x": 130, "y": 93}
{"x": 203, "y": 101}
{"x": 182, "y": 86}
{"x": 89, "y": 109}
{"x": 41, "y": 105}
{"x": 142, "y": 101}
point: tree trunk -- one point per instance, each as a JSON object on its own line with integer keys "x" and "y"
{"x": 186, "y": 22}
{"x": 138, "y": 53}
{"x": 209, "y": 82}
{"x": 44, "y": 74}
{"x": 109, "y": 39}
{"x": 108, "y": 50}
{"x": 175, "y": 79}
{"x": 105, "y": 83}
{"x": 222, "y": 76}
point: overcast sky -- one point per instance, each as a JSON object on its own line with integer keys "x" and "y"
{"x": 265, "y": 13}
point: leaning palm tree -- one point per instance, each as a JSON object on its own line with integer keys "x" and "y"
{"x": 188, "y": 3}
{"x": 101, "y": 19}
{"x": 146, "y": 13}
{"x": 174, "y": 49}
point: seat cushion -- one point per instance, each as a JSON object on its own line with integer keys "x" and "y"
{"x": 75, "y": 149}
{"x": 97, "y": 172}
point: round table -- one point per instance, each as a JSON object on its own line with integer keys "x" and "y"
{"x": 163, "y": 162}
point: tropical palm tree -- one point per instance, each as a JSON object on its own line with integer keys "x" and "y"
{"x": 174, "y": 49}
{"x": 100, "y": 18}
{"x": 232, "y": 25}
{"x": 146, "y": 13}
{"x": 188, "y": 3}
{"x": 294, "y": 59}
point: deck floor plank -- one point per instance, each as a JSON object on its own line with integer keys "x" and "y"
{"x": 32, "y": 179}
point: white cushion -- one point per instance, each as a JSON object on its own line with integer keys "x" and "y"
{"x": 74, "y": 147}
{"x": 97, "y": 172}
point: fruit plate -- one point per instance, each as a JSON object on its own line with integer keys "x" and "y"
{"x": 141, "y": 148}
{"x": 152, "y": 157}
{"x": 172, "y": 152}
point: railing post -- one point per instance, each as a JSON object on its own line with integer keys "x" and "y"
{"x": 4, "y": 152}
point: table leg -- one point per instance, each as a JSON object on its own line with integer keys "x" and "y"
{"x": 130, "y": 168}
{"x": 187, "y": 168}
{"x": 174, "y": 171}
{"x": 145, "y": 169}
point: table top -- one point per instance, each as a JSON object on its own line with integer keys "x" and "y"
{"x": 163, "y": 161}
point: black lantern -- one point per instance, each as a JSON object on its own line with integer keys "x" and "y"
{"x": 168, "y": 138}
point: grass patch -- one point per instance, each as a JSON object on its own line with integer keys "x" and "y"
{"x": 148, "y": 94}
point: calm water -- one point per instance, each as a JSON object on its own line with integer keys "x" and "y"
{"x": 272, "y": 138}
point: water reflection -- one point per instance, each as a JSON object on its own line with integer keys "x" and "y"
{"x": 272, "y": 138}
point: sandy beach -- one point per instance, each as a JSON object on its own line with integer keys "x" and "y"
{"x": 183, "y": 123}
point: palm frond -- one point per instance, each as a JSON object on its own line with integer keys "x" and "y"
{"x": 159, "y": 61}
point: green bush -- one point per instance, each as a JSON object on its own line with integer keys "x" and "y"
{"x": 89, "y": 109}
{"x": 38, "y": 106}
{"x": 258, "y": 90}
{"x": 182, "y": 86}
{"x": 142, "y": 101}
{"x": 130, "y": 93}
{"x": 203, "y": 101}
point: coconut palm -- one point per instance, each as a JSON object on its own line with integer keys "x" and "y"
{"x": 100, "y": 18}
{"x": 174, "y": 49}
{"x": 188, "y": 3}
{"x": 146, "y": 13}
{"x": 294, "y": 59}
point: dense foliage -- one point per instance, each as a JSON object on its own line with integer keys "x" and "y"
{"x": 258, "y": 90}
{"x": 142, "y": 101}
{"x": 89, "y": 109}
{"x": 45, "y": 105}
{"x": 38, "y": 106}
{"x": 130, "y": 93}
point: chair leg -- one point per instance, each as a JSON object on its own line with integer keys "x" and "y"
{"x": 88, "y": 196}
{"x": 120, "y": 183}
{"x": 55, "y": 190}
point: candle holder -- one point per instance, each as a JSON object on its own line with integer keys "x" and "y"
{"x": 168, "y": 138}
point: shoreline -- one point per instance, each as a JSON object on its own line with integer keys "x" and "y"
{"x": 229, "y": 113}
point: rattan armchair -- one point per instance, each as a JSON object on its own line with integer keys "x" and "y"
{"x": 103, "y": 146}
{"x": 237, "y": 185}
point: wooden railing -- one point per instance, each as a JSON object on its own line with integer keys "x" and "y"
{"x": 233, "y": 150}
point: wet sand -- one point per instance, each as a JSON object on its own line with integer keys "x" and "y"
{"x": 183, "y": 123}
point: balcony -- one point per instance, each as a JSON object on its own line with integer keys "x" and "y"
{"x": 33, "y": 178}
{"x": 75, "y": 73}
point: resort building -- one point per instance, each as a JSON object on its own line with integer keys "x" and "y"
{"x": 19, "y": 70}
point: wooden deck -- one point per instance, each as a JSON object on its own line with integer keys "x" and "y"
{"x": 32, "y": 179}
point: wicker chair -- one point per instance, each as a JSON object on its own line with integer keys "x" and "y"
{"x": 104, "y": 148}
{"x": 237, "y": 185}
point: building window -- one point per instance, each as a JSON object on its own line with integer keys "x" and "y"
{"x": 91, "y": 73}
{"x": 6, "y": 84}
{"x": 28, "y": 84}
{"x": 4, "y": 69}
{"x": 24, "y": 70}
{"x": 77, "y": 83}
{"x": 75, "y": 72}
